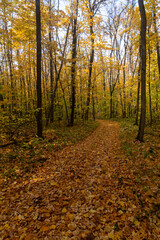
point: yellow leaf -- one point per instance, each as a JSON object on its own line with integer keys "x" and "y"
{"x": 71, "y": 216}
{"x": 92, "y": 211}
{"x": 133, "y": 206}
{"x": 56, "y": 203}
{"x": 64, "y": 210}
{"x": 121, "y": 203}
{"x": 6, "y": 226}
{"x": 54, "y": 183}
{"x": 25, "y": 229}
{"x": 15, "y": 218}
{"x": 30, "y": 209}
{"x": 118, "y": 235}
{"x": 123, "y": 217}
{"x": 22, "y": 236}
{"x": 53, "y": 227}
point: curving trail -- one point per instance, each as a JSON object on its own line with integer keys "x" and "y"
{"x": 83, "y": 192}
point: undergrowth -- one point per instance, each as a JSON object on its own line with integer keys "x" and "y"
{"x": 20, "y": 159}
{"x": 143, "y": 160}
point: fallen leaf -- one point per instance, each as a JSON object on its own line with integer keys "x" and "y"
{"x": 64, "y": 210}
{"x": 44, "y": 229}
{"x": 52, "y": 227}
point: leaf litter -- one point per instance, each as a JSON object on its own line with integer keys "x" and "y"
{"x": 85, "y": 191}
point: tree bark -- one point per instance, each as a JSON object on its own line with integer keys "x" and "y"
{"x": 143, "y": 71}
{"x": 149, "y": 84}
{"x": 90, "y": 65}
{"x": 138, "y": 91}
{"x": 158, "y": 52}
{"x": 124, "y": 90}
{"x": 157, "y": 40}
{"x": 51, "y": 62}
{"x": 39, "y": 91}
{"x": 111, "y": 104}
{"x": 73, "y": 66}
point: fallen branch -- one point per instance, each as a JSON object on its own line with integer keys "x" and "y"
{"x": 10, "y": 143}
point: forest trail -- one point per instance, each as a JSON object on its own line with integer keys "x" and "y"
{"x": 84, "y": 191}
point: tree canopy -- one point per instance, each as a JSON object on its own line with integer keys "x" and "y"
{"x": 90, "y": 65}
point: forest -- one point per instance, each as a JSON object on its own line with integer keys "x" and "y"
{"x": 80, "y": 119}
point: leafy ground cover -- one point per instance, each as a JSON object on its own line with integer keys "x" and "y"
{"x": 144, "y": 164}
{"x": 103, "y": 187}
{"x": 29, "y": 152}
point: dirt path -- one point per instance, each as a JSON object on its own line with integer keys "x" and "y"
{"x": 82, "y": 192}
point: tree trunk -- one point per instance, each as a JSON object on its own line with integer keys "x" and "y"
{"x": 51, "y": 62}
{"x": 104, "y": 89}
{"x": 138, "y": 92}
{"x": 39, "y": 91}
{"x": 111, "y": 104}
{"x": 143, "y": 71}
{"x": 157, "y": 40}
{"x": 90, "y": 65}
{"x": 149, "y": 83}
{"x": 73, "y": 66}
{"x": 158, "y": 52}
{"x": 124, "y": 91}
{"x": 65, "y": 104}
{"x": 93, "y": 101}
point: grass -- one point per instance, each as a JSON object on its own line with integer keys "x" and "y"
{"x": 17, "y": 161}
{"x": 64, "y": 135}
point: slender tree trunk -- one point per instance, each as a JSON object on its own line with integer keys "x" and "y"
{"x": 149, "y": 83}
{"x": 120, "y": 94}
{"x": 63, "y": 92}
{"x": 111, "y": 104}
{"x": 143, "y": 71}
{"x": 157, "y": 98}
{"x": 10, "y": 63}
{"x": 29, "y": 80}
{"x": 57, "y": 74}
{"x": 111, "y": 93}
{"x": 51, "y": 62}
{"x": 73, "y": 66}
{"x": 124, "y": 91}
{"x": 158, "y": 51}
{"x": 81, "y": 98}
{"x": 104, "y": 89}
{"x": 90, "y": 65}
{"x": 157, "y": 39}
{"x": 1, "y": 96}
{"x": 138, "y": 92}
{"x": 39, "y": 91}
{"x": 93, "y": 101}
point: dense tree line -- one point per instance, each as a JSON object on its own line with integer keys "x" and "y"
{"x": 90, "y": 63}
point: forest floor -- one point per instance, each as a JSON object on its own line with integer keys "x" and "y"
{"x": 99, "y": 188}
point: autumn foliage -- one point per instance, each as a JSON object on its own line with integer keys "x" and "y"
{"x": 62, "y": 69}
